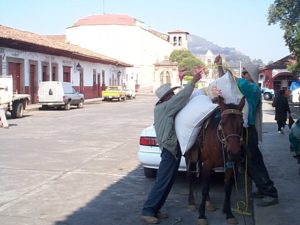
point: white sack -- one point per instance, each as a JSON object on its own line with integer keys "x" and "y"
{"x": 189, "y": 120}
{"x": 227, "y": 88}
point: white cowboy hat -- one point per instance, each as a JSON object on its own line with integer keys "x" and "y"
{"x": 163, "y": 90}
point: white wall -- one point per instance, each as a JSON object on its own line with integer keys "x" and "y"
{"x": 131, "y": 44}
{"x": 88, "y": 67}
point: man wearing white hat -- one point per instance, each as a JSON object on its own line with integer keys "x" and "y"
{"x": 165, "y": 111}
{"x": 267, "y": 193}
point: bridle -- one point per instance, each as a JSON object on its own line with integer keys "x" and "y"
{"x": 220, "y": 133}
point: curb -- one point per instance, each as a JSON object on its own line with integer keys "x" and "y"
{"x": 36, "y": 106}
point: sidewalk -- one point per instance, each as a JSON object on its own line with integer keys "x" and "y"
{"x": 283, "y": 170}
{"x": 36, "y": 106}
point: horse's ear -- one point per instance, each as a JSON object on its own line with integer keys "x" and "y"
{"x": 221, "y": 102}
{"x": 241, "y": 104}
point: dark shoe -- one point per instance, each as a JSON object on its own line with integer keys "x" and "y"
{"x": 256, "y": 194}
{"x": 267, "y": 201}
{"x": 162, "y": 215}
{"x": 150, "y": 219}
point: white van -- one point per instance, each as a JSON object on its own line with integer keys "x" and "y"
{"x": 59, "y": 94}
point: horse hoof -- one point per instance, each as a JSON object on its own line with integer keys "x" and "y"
{"x": 232, "y": 221}
{"x": 193, "y": 208}
{"x": 202, "y": 222}
{"x": 209, "y": 206}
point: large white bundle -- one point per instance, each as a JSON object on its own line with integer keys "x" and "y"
{"x": 226, "y": 87}
{"x": 189, "y": 120}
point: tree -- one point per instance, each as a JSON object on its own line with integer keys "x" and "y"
{"x": 186, "y": 61}
{"x": 287, "y": 14}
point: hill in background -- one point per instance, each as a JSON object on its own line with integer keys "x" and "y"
{"x": 199, "y": 46}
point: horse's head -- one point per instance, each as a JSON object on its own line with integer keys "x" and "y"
{"x": 231, "y": 127}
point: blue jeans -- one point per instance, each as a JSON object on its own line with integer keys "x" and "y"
{"x": 165, "y": 178}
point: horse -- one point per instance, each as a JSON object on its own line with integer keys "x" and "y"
{"x": 219, "y": 145}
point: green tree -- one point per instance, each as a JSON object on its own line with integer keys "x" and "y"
{"x": 287, "y": 14}
{"x": 186, "y": 61}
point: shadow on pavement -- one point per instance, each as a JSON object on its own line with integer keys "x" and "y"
{"x": 121, "y": 203}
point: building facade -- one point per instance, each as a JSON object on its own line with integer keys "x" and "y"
{"x": 126, "y": 39}
{"x": 31, "y": 58}
{"x": 276, "y": 75}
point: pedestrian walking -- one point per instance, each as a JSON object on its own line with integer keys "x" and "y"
{"x": 282, "y": 109}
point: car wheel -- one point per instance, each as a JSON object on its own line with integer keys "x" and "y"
{"x": 68, "y": 106}
{"x": 18, "y": 110}
{"x": 80, "y": 105}
{"x": 149, "y": 172}
{"x": 267, "y": 96}
{"x": 44, "y": 107}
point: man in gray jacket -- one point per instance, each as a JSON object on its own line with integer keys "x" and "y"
{"x": 165, "y": 111}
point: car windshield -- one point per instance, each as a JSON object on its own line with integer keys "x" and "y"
{"x": 113, "y": 88}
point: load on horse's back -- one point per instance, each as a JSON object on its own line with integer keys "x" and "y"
{"x": 219, "y": 145}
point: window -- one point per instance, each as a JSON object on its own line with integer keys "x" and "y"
{"x": 179, "y": 41}
{"x": 67, "y": 74}
{"x": 175, "y": 41}
{"x": 45, "y": 76}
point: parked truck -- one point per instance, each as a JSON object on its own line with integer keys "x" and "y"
{"x": 10, "y": 101}
{"x": 114, "y": 92}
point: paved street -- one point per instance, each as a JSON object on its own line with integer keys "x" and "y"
{"x": 80, "y": 167}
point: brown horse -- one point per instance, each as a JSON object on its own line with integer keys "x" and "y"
{"x": 219, "y": 145}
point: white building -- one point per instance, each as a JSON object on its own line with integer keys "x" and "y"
{"x": 126, "y": 39}
{"x": 178, "y": 39}
{"x": 32, "y": 58}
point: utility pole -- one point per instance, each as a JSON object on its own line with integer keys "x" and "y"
{"x": 103, "y": 7}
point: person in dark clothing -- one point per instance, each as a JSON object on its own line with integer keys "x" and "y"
{"x": 165, "y": 111}
{"x": 282, "y": 108}
{"x": 266, "y": 191}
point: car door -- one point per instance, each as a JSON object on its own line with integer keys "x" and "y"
{"x": 76, "y": 97}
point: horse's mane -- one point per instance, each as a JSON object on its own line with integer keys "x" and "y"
{"x": 215, "y": 118}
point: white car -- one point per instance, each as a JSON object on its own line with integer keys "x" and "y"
{"x": 130, "y": 94}
{"x": 59, "y": 94}
{"x": 149, "y": 153}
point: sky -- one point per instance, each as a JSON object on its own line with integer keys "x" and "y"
{"x": 240, "y": 24}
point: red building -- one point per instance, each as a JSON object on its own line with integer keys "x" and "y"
{"x": 276, "y": 76}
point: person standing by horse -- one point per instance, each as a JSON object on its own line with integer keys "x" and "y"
{"x": 266, "y": 191}
{"x": 165, "y": 111}
{"x": 282, "y": 108}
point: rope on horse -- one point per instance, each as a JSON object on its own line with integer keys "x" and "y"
{"x": 243, "y": 206}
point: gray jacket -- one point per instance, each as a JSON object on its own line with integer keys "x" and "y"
{"x": 164, "y": 118}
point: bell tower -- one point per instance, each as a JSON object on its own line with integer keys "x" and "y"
{"x": 178, "y": 38}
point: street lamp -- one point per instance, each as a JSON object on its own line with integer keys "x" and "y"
{"x": 78, "y": 67}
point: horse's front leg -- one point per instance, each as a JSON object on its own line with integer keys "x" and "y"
{"x": 228, "y": 181}
{"x": 202, "y": 220}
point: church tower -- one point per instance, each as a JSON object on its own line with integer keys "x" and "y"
{"x": 178, "y": 38}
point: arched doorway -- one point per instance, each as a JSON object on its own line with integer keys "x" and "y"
{"x": 165, "y": 77}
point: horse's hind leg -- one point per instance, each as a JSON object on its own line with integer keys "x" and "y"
{"x": 191, "y": 176}
{"x": 209, "y": 205}
{"x": 228, "y": 180}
